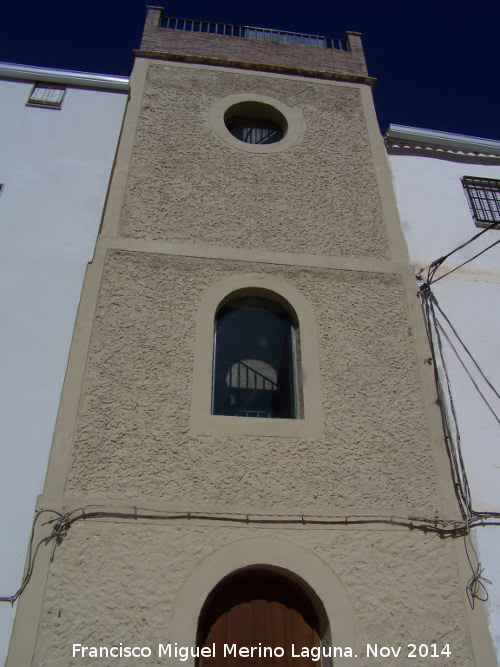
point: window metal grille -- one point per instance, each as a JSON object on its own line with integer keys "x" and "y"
{"x": 254, "y": 130}
{"x": 484, "y": 199}
{"x": 46, "y": 95}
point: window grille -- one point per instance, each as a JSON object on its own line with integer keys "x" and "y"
{"x": 46, "y": 95}
{"x": 254, "y": 130}
{"x": 483, "y": 195}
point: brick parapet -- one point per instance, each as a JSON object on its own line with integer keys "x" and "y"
{"x": 152, "y": 22}
{"x": 249, "y": 53}
{"x": 356, "y": 49}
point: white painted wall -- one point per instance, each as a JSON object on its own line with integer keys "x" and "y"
{"x": 436, "y": 218}
{"x": 55, "y": 166}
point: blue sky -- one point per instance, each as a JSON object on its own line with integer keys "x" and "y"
{"x": 436, "y": 61}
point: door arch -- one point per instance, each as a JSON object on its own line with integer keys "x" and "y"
{"x": 260, "y": 609}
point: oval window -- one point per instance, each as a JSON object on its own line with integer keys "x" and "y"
{"x": 255, "y": 123}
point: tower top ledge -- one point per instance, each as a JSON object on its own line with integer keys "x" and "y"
{"x": 248, "y": 47}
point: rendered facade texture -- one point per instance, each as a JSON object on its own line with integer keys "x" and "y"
{"x": 441, "y": 211}
{"x": 59, "y": 135}
{"x": 310, "y": 492}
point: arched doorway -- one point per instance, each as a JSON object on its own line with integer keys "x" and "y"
{"x": 263, "y": 610}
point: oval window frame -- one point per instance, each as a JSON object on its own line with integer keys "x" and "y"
{"x": 246, "y": 115}
{"x": 220, "y": 110}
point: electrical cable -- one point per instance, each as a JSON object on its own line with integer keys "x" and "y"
{"x": 32, "y": 554}
{"x": 466, "y": 262}
{"x": 432, "y": 268}
{"x": 476, "y": 589}
{"x": 450, "y": 425}
{"x": 465, "y": 348}
{"x": 496, "y": 417}
{"x": 452, "y": 433}
{"x": 471, "y": 518}
{"x": 61, "y": 524}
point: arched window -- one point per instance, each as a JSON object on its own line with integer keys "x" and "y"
{"x": 254, "y": 360}
{"x": 258, "y": 608}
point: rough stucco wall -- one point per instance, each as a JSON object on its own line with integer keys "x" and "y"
{"x": 186, "y": 184}
{"x": 133, "y": 430}
{"x": 134, "y": 572}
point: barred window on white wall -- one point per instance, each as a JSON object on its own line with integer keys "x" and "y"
{"x": 483, "y": 195}
{"x": 46, "y": 95}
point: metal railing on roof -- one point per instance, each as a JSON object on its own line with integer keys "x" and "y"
{"x": 252, "y": 32}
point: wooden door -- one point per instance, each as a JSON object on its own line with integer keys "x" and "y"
{"x": 261, "y": 610}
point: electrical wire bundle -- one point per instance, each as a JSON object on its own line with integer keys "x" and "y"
{"x": 476, "y": 590}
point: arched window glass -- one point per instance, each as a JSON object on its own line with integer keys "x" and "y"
{"x": 254, "y": 360}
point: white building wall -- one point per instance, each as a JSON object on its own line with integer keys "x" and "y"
{"x": 436, "y": 218}
{"x": 55, "y": 166}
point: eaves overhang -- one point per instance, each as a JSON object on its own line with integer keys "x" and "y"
{"x": 403, "y": 137}
{"x": 67, "y": 77}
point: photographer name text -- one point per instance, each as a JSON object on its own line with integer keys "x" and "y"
{"x": 315, "y": 653}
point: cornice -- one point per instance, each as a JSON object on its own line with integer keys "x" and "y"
{"x": 401, "y": 139}
{"x": 67, "y": 77}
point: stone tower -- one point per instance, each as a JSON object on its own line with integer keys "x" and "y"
{"x": 248, "y": 451}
